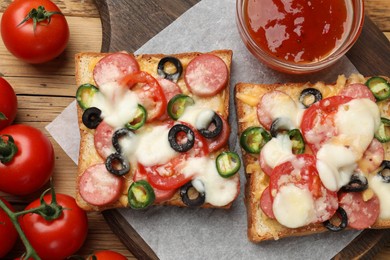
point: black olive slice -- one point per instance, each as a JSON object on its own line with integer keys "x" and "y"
{"x": 118, "y": 134}
{"x": 186, "y": 197}
{"x": 171, "y": 76}
{"x": 309, "y": 96}
{"x": 214, "y": 128}
{"x": 280, "y": 125}
{"x": 178, "y": 146}
{"x": 342, "y": 215}
{"x": 117, "y": 164}
{"x": 357, "y": 183}
{"x": 91, "y": 117}
{"x": 385, "y": 171}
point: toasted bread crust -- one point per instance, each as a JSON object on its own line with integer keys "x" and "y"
{"x": 85, "y": 62}
{"x": 247, "y": 96}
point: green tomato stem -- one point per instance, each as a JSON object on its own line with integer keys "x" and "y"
{"x": 30, "y": 252}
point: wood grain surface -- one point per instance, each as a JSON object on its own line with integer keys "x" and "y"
{"x": 45, "y": 90}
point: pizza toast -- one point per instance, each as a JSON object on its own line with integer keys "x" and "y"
{"x": 119, "y": 153}
{"x": 286, "y": 194}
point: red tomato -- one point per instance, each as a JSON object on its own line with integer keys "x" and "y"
{"x": 8, "y": 234}
{"x": 32, "y": 165}
{"x": 34, "y": 45}
{"x": 107, "y": 255}
{"x": 318, "y": 121}
{"x": 8, "y": 104}
{"x": 59, "y": 238}
{"x": 326, "y": 202}
{"x": 149, "y": 92}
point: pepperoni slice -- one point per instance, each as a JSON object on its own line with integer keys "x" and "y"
{"x": 266, "y": 203}
{"x": 206, "y": 75}
{"x": 170, "y": 90}
{"x": 264, "y": 165}
{"x": 99, "y": 187}
{"x": 103, "y": 139}
{"x": 114, "y": 67}
{"x": 372, "y": 157}
{"x": 361, "y": 214}
{"x": 222, "y": 139}
{"x": 161, "y": 195}
{"x": 357, "y": 90}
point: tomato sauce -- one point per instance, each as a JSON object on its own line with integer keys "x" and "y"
{"x": 300, "y": 31}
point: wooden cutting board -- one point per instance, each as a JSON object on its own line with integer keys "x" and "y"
{"x": 127, "y": 25}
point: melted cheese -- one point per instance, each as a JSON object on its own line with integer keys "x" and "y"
{"x": 219, "y": 191}
{"x": 382, "y": 190}
{"x": 118, "y": 104}
{"x": 277, "y": 150}
{"x": 293, "y": 207}
{"x": 283, "y": 106}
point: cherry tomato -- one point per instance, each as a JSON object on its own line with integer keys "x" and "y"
{"x": 318, "y": 121}
{"x": 34, "y": 44}
{"x": 33, "y": 163}
{"x": 8, "y": 104}
{"x": 107, "y": 255}
{"x": 149, "y": 92}
{"x": 8, "y": 234}
{"x": 306, "y": 178}
{"x": 59, "y": 238}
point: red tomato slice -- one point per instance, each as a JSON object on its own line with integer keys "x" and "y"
{"x": 167, "y": 176}
{"x": 149, "y": 92}
{"x": 103, "y": 140}
{"x": 318, "y": 121}
{"x": 361, "y": 214}
{"x": 306, "y": 177}
{"x": 221, "y": 140}
{"x": 161, "y": 195}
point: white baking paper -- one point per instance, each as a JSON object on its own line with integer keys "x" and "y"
{"x": 185, "y": 233}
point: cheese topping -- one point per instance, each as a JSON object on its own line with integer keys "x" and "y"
{"x": 117, "y": 103}
{"x": 277, "y": 150}
{"x": 293, "y": 207}
{"x": 218, "y": 190}
{"x": 382, "y": 190}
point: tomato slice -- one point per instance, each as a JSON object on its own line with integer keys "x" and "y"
{"x": 318, "y": 121}
{"x": 302, "y": 172}
{"x": 149, "y": 92}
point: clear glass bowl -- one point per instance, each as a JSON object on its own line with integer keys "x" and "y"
{"x": 355, "y": 12}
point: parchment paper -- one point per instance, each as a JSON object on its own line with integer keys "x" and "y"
{"x": 183, "y": 233}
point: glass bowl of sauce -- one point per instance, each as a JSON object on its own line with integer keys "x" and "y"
{"x": 299, "y": 36}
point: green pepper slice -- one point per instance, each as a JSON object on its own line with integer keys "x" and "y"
{"x": 177, "y": 105}
{"x": 379, "y": 87}
{"x": 85, "y": 94}
{"x": 254, "y": 138}
{"x": 228, "y": 164}
{"x": 383, "y": 133}
{"x": 139, "y": 119}
{"x": 298, "y": 145}
{"x": 141, "y": 195}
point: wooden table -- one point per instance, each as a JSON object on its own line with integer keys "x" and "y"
{"x": 45, "y": 90}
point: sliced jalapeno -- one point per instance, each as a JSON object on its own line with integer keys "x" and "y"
{"x": 85, "y": 94}
{"x": 254, "y": 138}
{"x": 139, "y": 119}
{"x": 309, "y": 96}
{"x": 298, "y": 145}
{"x": 379, "y": 87}
{"x": 342, "y": 215}
{"x": 141, "y": 194}
{"x": 178, "y": 104}
{"x": 228, "y": 164}
{"x": 91, "y": 117}
{"x": 383, "y": 133}
{"x": 161, "y": 70}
